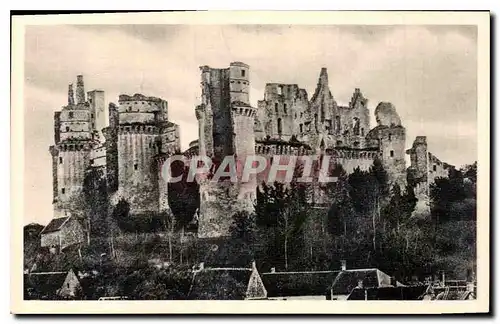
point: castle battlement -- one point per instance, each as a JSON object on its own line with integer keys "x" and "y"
{"x": 123, "y": 98}
{"x": 138, "y": 128}
{"x": 243, "y": 109}
{"x": 276, "y": 147}
{"x": 77, "y": 145}
{"x": 282, "y": 91}
{"x": 354, "y": 153}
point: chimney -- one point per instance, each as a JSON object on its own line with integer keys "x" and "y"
{"x": 254, "y": 265}
{"x": 343, "y": 265}
{"x": 273, "y": 270}
{"x": 80, "y": 90}
{"x": 360, "y": 283}
{"x": 470, "y": 286}
{"x": 202, "y": 266}
{"x": 443, "y": 278}
{"x": 393, "y": 281}
{"x": 71, "y": 97}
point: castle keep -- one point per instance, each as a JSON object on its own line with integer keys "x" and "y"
{"x": 77, "y": 133}
{"x": 134, "y": 138}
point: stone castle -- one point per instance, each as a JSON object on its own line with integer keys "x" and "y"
{"x": 130, "y": 142}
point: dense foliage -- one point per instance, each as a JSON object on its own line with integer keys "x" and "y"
{"x": 368, "y": 224}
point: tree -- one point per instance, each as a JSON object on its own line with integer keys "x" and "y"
{"x": 362, "y": 189}
{"x": 381, "y": 191}
{"x": 393, "y": 212}
{"x": 453, "y": 198}
{"x": 31, "y": 245}
{"x": 281, "y": 211}
{"x": 96, "y": 204}
{"x": 341, "y": 209}
{"x": 243, "y": 238}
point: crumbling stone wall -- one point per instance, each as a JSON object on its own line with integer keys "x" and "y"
{"x": 424, "y": 169}
{"x": 390, "y": 136}
{"x": 286, "y": 113}
{"x": 215, "y": 112}
{"x": 218, "y": 203}
{"x": 97, "y": 107}
{"x": 283, "y": 111}
{"x": 226, "y": 125}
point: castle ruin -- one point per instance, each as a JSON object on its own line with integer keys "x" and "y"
{"x": 131, "y": 144}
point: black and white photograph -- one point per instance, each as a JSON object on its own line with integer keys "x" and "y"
{"x": 175, "y": 160}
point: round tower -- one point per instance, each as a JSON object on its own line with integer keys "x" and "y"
{"x": 70, "y": 161}
{"x": 239, "y": 82}
{"x": 243, "y": 119}
{"x": 138, "y": 132}
{"x": 73, "y": 136}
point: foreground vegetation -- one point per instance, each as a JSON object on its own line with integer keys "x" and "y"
{"x": 368, "y": 224}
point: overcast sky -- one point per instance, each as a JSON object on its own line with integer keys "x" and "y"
{"x": 428, "y": 73}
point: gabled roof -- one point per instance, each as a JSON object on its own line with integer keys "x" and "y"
{"x": 55, "y": 224}
{"x": 308, "y": 283}
{"x": 46, "y": 283}
{"x": 347, "y": 280}
{"x": 220, "y": 284}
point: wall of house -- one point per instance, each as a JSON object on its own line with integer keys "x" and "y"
{"x": 50, "y": 239}
{"x": 71, "y": 233}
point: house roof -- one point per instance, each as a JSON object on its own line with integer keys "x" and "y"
{"x": 55, "y": 224}
{"x": 308, "y": 283}
{"x": 45, "y": 282}
{"x": 389, "y": 293}
{"x": 220, "y": 284}
{"x": 347, "y": 280}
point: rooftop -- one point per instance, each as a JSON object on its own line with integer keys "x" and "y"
{"x": 54, "y": 225}
{"x": 308, "y": 283}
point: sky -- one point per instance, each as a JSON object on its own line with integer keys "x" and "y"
{"x": 429, "y": 73}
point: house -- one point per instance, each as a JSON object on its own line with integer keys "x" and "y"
{"x": 62, "y": 232}
{"x": 306, "y": 285}
{"x": 226, "y": 284}
{"x": 52, "y": 285}
{"x": 347, "y": 280}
